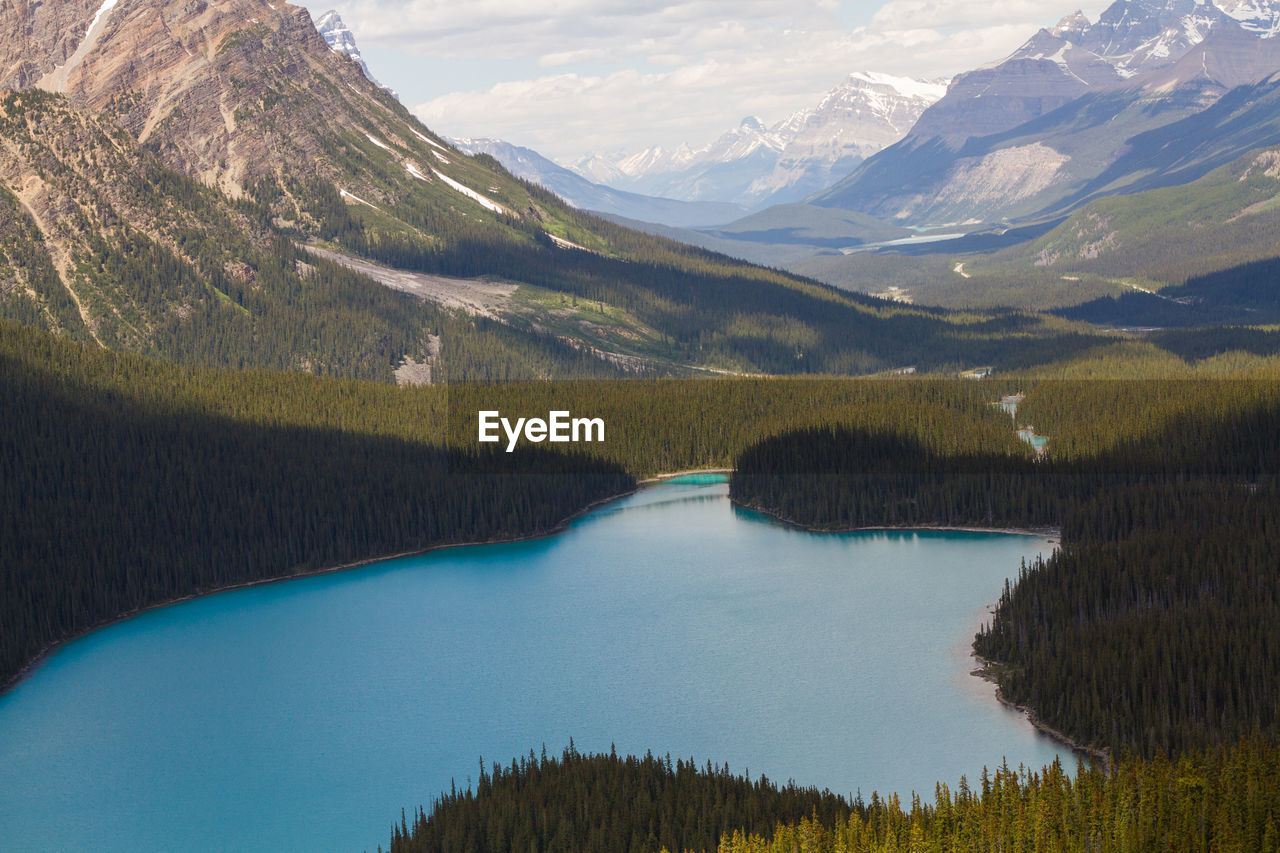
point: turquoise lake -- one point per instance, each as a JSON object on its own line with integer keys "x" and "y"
{"x": 306, "y": 715}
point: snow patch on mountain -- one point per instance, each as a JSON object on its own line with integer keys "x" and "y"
{"x": 1257, "y": 16}
{"x": 56, "y": 80}
{"x": 484, "y": 201}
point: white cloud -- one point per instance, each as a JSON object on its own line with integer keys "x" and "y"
{"x": 635, "y": 73}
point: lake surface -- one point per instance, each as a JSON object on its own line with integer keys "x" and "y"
{"x": 305, "y": 715}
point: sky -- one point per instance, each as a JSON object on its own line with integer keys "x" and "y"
{"x": 571, "y": 78}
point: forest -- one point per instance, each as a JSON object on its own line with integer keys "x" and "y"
{"x": 1153, "y": 626}
{"x": 1223, "y": 800}
{"x": 1150, "y": 633}
{"x": 131, "y": 481}
{"x": 1148, "y": 638}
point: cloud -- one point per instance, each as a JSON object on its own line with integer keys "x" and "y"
{"x": 633, "y": 73}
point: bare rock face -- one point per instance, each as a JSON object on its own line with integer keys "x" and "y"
{"x": 224, "y": 90}
{"x": 39, "y": 35}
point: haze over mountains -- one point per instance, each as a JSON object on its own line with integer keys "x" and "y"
{"x": 754, "y": 165}
{"x": 185, "y": 178}
{"x": 1154, "y": 93}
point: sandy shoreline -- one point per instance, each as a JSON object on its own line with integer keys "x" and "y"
{"x": 659, "y": 478}
{"x": 986, "y": 670}
{"x": 1015, "y": 531}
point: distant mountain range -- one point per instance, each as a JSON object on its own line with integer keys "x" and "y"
{"x": 588, "y": 195}
{"x": 756, "y": 166}
{"x": 1079, "y": 111}
{"x": 208, "y": 181}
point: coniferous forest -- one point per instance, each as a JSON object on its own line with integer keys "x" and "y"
{"x": 1148, "y": 638}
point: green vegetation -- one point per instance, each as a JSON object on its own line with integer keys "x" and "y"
{"x": 606, "y": 803}
{"x": 1225, "y": 800}
{"x": 126, "y": 485}
{"x": 1151, "y": 633}
{"x": 132, "y": 481}
{"x": 1152, "y": 628}
{"x": 1220, "y": 800}
{"x": 1167, "y": 235}
{"x": 1239, "y": 295}
{"x": 1108, "y": 248}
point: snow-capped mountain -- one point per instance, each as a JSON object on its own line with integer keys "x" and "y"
{"x": 1058, "y": 64}
{"x": 1036, "y": 132}
{"x": 755, "y": 165}
{"x": 340, "y": 40}
{"x": 1257, "y": 16}
{"x": 863, "y": 115}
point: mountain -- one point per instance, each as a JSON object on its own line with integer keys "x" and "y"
{"x": 865, "y": 114}
{"x": 756, "y": 166}
{"x": 1163, "y": 236}
{"x": 102, "y": 242}
{"x": 338, "y": 36}
{"x": 586, "y": 195}
{"x": 272, "y": 201}
{"x": 1036, "y": 132}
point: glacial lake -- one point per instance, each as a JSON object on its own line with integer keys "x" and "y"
{"x": 306, "y": 715}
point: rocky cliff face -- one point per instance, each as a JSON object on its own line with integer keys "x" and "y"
{"x": 39, "y": 36}
{"x": 224, "y": 90}
{"x": 87, "y": 198}
{"x": 341, "y": 40}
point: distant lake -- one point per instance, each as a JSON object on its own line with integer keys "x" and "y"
{"x": 305, "y": 715}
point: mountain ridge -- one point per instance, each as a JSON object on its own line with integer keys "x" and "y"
{"x": 757, "y": 166}
{"x": 1156, "y": 63}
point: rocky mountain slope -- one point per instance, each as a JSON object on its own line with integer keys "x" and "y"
{"x": 103, "y": 242}
{"x": 340, "y": 39}
{"x": 263, "y": 140}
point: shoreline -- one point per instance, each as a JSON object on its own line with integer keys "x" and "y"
{"x": 1045, "y": 532}
{"x": 659, "y": 478}
{"x": 49, "y": 650}
{"x": 986, "y": 669}
{"x": 45, "y": 653}
{"x": 987, "y": 672}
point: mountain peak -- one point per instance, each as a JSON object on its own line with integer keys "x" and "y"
{"x": 341, "y": 40}
{"x": 1076, "y": 22}
{"x": 1257, "y": 16}
{"x": 908, "y": 87}
{"x": 752, "y": 123}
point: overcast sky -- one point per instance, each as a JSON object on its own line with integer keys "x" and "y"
{"x": 572, "y": 77}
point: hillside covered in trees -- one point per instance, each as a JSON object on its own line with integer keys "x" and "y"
{"x": 1221, "y": 800}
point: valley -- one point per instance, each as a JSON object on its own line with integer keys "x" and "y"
{"x": 255, "y": 315}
